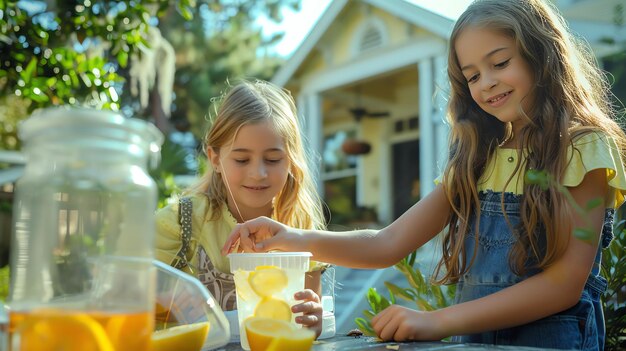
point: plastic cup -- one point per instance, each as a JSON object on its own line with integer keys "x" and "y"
{"x": 182, "y": 299}
{"x": 266, "y": 284}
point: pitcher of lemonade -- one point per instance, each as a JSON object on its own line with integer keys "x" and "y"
{"x": 83, "y": 233}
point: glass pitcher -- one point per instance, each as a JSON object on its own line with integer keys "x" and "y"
{"x": 83, "y": 233}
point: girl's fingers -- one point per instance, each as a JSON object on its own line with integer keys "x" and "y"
{"x": 386, "y": 326}
{"x": 255, "y": 235}
{"x": 380, "y": 321}
{"x": 308, "y": 320}
{"x": 308, "y": 307}
{"x": 389, "y": 330}
{"x": 311, "y": 310}
{"x": 376, "y": 318}
{"x": 246, "y": 242}
{"x": 232, "y": 241}
{"x": 307, "y": 295}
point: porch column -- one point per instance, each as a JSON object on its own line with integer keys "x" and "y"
{"x": 426, "y": 130}
{"x": 310, "y": 114}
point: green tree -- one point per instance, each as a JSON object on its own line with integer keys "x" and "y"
{"x": 69, "y": 52}
{"x": 221, "y": 42}
{"x": 58, "y": 52}
{"x": 80, "y": 52}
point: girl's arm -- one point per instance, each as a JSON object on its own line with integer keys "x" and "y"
{"x": 358, "y": 248}
{"x": 555, "y": 289}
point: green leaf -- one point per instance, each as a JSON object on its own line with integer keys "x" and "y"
{"x": 374, "y": 299}
{"x": 19, "y": 57}
{"x": 51, "y": 82}
{"x": 41, "y": 97}
{"x": 411, "y": 259}
{"x": 365, "y": 326}
{"x": 417, "y": 280}
{"x": 384, "y": 303}
{"x": 184, "y": 11}
{"x": 537, "y": 177}
{"x": 450, "y": 293}
{"x": 593, "y": 203}
{"x": 400, "y": 292}
{"x": 438, "y": 295}
{"x": 585, "y": 234}
{"x": 28, "y": 72}
{"x": 122, "y": 58}
{"x": 423, "y": 304}
{"x": 74, "y": 79}
{"x": 369, "y": 314}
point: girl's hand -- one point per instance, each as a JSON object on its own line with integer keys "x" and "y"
{"x": 261, "y": 235}
{"x": 400, "y": 323}
{"x": 311, "y": 309}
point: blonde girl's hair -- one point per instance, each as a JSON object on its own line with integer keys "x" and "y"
{"x": 254, "y": 102}
{"x": 570, "y": 98}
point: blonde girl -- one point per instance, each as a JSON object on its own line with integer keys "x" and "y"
{"x": 526, "y": 95}
{"x": 258, "y": 168}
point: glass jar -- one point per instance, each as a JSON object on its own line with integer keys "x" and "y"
{"x": 83, "y": 233}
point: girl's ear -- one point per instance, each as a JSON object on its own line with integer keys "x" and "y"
{"x": 214, "y": 158}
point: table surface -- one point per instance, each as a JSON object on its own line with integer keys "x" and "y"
{"x": 349, "y": 343}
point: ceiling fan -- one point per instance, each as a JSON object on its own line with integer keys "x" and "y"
{"x": 359, "y": 112}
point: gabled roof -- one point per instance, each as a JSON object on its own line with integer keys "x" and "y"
{"x": 402, "y": 9}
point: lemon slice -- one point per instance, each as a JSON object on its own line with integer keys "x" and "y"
{"x": 296, "y": 340}
{"x": 189, "y": 337}
{"x": 244, "y": 291}
{"x": 127, "y": 331}
{"x": 267, "y": 280}
{"x": 70, "y": 332}
{"x": 262, "y": 331}
{"x": 270, "y": 307}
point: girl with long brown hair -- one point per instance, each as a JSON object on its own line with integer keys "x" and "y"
{"x": 526, "y": 98}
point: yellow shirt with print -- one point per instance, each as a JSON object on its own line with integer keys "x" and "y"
{"x": 206, "y": 233}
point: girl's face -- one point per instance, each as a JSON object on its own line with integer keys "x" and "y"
{"x": 255, "y": 168}
{"x": 499, "y": 79}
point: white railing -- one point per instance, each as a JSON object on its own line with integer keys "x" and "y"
{"x": 16, "y": 160}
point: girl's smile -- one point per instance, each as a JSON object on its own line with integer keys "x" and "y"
{"x": 498, "y": 100}
{"x": 256, "y": 188}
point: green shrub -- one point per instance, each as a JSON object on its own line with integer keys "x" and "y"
{"x": 614, "y": 298}
{"x": 425, "y": 295}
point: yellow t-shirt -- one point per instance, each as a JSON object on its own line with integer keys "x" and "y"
{"x": 591, "y": 151}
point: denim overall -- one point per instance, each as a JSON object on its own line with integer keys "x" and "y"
{"x": 580, "y": 327}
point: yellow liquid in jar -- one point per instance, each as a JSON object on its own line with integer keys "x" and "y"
{"x": 53, "y": 329}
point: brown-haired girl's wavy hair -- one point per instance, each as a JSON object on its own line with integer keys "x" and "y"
{"x": 253, "y": 102}
{"x": 570, "y": 98}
